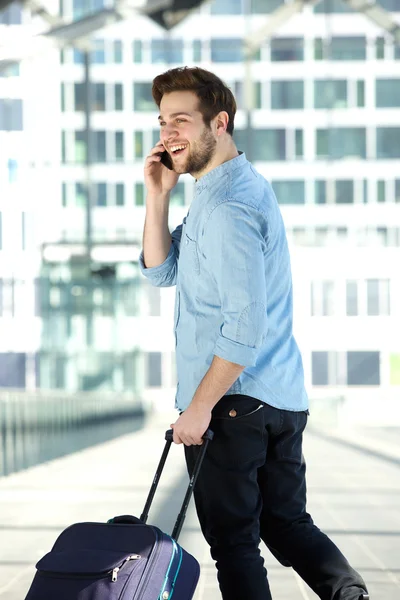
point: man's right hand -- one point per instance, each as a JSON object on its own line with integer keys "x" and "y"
{"x": 158, "y": 179}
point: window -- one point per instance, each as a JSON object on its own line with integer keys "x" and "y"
{"x": 167, "y": 51}
{"x": 387, "y": 93}
{"x": 120, "y": 194}
{"x": 348, "y": 48}
{"x": 80, "y": 147}
{"x": 360, "y": 93}
{"x": 378, "y": 297}
{"x": 320, "y": 192}
{"x": 381, "y": 191}
{"x": 143, "y": 100}
{"x": 397, "y": 190}
{"x": 78, "y": 57}
{"x": 63, "y": 97}
{"x": 330, "y": 93}
{"x": 319, "y": 49}
{"x": 287, "y": 94}
{"x": 344, "y": 191}
{"x": 287, "y": 49}
{"x": 395, "y": 369}
{"x": 332, "y": 6}
{"x": 289, "y": 192}
{"x": 196, "y": 50}
{"x": 226, "y": 7}
{"x": 80, "y": 195}
{"x": 178, "y": 195}
{"x": 137, "y": 51}
{"x": 118, "y": 97}
{"x": 64, "y": 194}
{"x": 319, "y": 368}
{"x": 63, "y": 148}
{"x": 269, "y": 144}
{"x": 138, "y": 144}
{"x": 99, "y": 146}
{"x": 363, "y": 368}
{"x": 226, "y": 50}
{"x": 322, "y": 298}
{"x": 119, "y": 145}
{"x": 351, "y": 298}
{"x": 12, "y": 167}
{"x": 388, "y": 142}
{"x": 10, "y": 114}
{"x": 99, "y": 97}
{"x": 12, "y": 15}
{"x": 298, "y": 141}
{"x": 101, "y": 194}
{"x": 341, "y": 142}
{"x": 79, "y": 96}
{"x": 98, "y": 55}
{"x": 380, "y": 48}
{"x": 154, "y": 378}
{"x": 117, "y": 51}
{"x": 263, "y": 7}
{"x": 139, "y": 194}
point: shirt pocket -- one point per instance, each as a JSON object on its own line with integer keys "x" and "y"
{"x": 192, "y": 253}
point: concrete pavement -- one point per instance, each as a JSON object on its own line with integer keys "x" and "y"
{"x": 353, "y": 491}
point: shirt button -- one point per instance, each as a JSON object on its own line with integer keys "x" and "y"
{"x": 187, "y": 242}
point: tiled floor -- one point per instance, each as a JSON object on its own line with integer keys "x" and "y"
{"x": 353, "y": 496}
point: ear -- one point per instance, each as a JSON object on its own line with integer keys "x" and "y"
{"x": 221, "y": 121}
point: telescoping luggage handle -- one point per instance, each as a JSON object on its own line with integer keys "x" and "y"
{"x": 207, "y": 437}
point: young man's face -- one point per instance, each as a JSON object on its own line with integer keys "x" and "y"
{"x": 182, "y": 126}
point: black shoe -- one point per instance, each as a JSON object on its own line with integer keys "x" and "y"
{"x": 364, "y": 597}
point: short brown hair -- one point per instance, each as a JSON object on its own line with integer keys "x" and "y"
{"x": 213, "y": 94}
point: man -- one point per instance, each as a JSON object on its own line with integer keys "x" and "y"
{"x": 239, "y": 368}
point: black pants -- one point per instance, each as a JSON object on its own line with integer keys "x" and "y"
{"x": 252, "y": 485}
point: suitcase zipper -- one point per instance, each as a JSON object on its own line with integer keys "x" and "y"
{"x": 114, "y": 572}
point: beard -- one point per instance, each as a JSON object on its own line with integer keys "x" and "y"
{"x": 200, "y": 155}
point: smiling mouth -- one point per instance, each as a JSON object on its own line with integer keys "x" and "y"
{"x": 177, "y": 150}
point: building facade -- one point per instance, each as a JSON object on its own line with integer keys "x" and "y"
{"x": 323, "y": 127}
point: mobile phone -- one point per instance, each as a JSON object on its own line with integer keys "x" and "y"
{"x": 166, "y": 160}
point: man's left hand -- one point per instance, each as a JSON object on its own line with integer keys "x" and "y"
{"x": 191, "y": 426}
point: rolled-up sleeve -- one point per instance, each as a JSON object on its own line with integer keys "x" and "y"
{"x": 235, "y": 240}
{"x": 164, "y": 275}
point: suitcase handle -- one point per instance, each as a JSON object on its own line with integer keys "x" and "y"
{"x": 207, "y": 437}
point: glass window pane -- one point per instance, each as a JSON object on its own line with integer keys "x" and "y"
{"x": 320, "y": 191}
{"x": 154, "y": 369}
{"x": 79, "y": 96}
{"x": 320, "y": 374}
{"x": 99, "y": 97}
{"x": 381, "y": 189}
{"x": 380, "y": 48}
{"x": 397, "y": 190}
{"x": 143, "y": 100}
{"x": 268, "y": 144}
{"x": 319, "y": 49}
{"x": 119, "y": 145}
{"x": 139, "y": 194}
{"x": 329, "y": 93}
{"x": 387, "y": 93}
{"x": 138, "y": 144}
{"x": 264, "y": 7}
{"x": 360, "y": 93}
{"x": 287, "y": 49}
{"x": 120, "y": 194}
{"x": 341, "y": 142}
{"x": 226, "y": 50}
{"x": 196, "y": 50}
{"x": 332, "y": 6}
{"x": 101, "y": 196}
{"x": 99, "y": 146}
{"x": 287, "y": 95}
{"x": 98, "y": 54}
{"x": 351, "y": 298}
{"x": 373, "y": 297}
{"x": 299, "y": 143}
{"x": 63, "y": 147}
{"x": 226, "y": 7}
{"x": 118, "y": 97}
{"x": 289, "y": 192}
{"x": 78, "y": 57}
{"x": 64, "y": 195}
{"x": 363, "y": 368}
{"x": 80, "y": 195}
{"x": 388, "y": 142}
{"x": 257, "y": 95}
{"x": 344, "y": 191}
{"x": 137, "y": 51}
{"x": 63, "y": 97}
{"x": 118, "y": 51}
{"x": 348, "y": 48}
{"x": 80, "y": 147}
{"x": 167, "y": 51}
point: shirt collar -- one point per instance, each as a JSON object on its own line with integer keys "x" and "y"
{"x": 226, "y": 167}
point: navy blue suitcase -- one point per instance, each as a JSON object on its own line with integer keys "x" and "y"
{"x": 124, "y": 559}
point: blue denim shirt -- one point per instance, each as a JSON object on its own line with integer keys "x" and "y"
{"x": 229, "y": 260}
